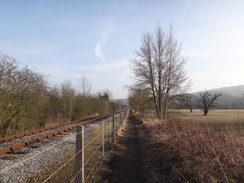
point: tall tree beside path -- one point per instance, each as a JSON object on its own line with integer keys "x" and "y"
{"x": 159, "y": 66}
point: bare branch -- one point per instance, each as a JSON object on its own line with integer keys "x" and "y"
{"x": 159, "y": 66}
{"x": 207, "y": 100}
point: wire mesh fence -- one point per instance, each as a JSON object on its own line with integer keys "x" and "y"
{"x": 95, "y": 140}
{"x": 90, "y": 164}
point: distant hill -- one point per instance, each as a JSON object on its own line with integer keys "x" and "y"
{"x": 232, "y": 98}
{"x": 234, "y": 91}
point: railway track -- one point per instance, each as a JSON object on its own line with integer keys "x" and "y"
{"x": 11, "y": 144}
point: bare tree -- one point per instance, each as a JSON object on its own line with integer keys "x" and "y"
{"x": 68, "y": 100}
{"x": 159, "y": 66}
{"x": 189, "y": 101}
{"x": 139, "y": 99}
{"x": 21, "y": 94}
{"x": 207, "y": 100}
{"x": 85, "y": 86}
{"x": 55, "y": 104}
{"x": 26, "y": 101}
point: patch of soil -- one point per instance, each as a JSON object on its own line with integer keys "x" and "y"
{"x": 126, "y": 162}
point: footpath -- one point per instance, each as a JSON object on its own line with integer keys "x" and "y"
{"x": 126, "y": 162}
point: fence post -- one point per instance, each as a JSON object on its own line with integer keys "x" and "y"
{"x": 110, "y": 129}
{"x": 103, "y": 135}
{"x": 116, "y": 126}
{"x": 113, "y": 127}
{"x": 120, "y": 117}
{"x": 79, "y": 159}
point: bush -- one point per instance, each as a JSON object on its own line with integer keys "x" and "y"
{"x": 183, "y": 151}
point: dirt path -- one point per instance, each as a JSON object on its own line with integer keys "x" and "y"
{"x": 126, "y": 162}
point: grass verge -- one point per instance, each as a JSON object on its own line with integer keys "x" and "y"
{"x": 184, "y": 151}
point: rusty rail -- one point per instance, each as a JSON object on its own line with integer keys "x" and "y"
{"x": 18, "y": 146}
{"x": 12, "y": 137}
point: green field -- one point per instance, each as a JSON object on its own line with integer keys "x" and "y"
{"x": 219, "y": 120}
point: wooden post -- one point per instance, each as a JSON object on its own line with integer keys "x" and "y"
{"x": 79, "y": 159}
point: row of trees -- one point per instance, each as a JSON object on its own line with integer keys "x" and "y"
{"x": 160, "y": 79}
{"x": 27, "y": 101}
{"x": 140, "y": 101}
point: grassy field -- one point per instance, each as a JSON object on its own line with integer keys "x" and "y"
{"x": 219, "y": 120}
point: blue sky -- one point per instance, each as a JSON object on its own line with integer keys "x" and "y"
{"x": 67, "y": 39}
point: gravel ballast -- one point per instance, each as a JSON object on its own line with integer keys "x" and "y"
{"x": 30, "y": 162}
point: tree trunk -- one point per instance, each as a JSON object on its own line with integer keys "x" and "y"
{"x": 205, "y": 111}
{"x": 165, "y": 109}
{"x": 156, "y": 106}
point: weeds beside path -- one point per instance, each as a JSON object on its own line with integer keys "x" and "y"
{"x": 126, "y": 162}
{"x": 174, "y": 151}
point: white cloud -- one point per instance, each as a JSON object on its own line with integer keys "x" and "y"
{"x": 99, "y": 53}
{"x": 100, "y": 44}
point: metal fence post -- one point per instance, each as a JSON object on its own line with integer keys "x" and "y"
{"x": 103, "y": 136}
{"x": 116, "y": 126}
{"x": 110, "y": 129}
{"x": 79, "y": 159}
{"x": 120, "y": 117}
{"x": 113, "y": 127}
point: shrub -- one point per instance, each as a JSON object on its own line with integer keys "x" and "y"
{"x": 183, "y": 151}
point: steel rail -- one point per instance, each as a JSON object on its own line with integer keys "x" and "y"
{"x": 13, "y": 137}
{"x": 13, "y": 148}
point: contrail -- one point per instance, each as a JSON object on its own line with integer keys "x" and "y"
{"x": 100, "y": 44}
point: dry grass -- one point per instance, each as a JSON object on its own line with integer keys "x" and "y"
{"x": 219, "y": 120}
{"x": 183, "y": 151}
{"x": 224, "y": 116}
